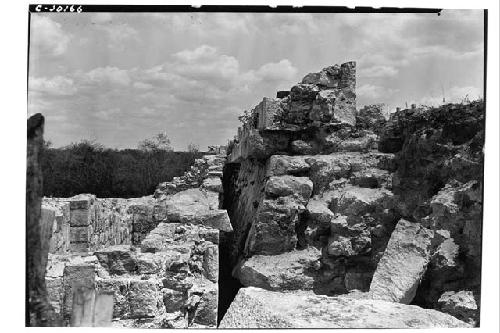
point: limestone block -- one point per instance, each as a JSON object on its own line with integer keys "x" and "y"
{"x": 281, "y": 186}
{"x": 273, "y": 229}
{"x": 117, "y": 259}
{"x": 145, "y": 299}
{"x": 76, "y": 277}
{"x": 211, "y": 262}
{"x": 294, "y": 270}
{"x": 79, "y": 247}
{"x": 80, "y": 234}
{"x": 213, "y": 184}
{"x": 81, "y": 217}
{"x": 319, "y": 213}
{"x": 461, "y": 305}
{"x": 202, "y": 303}
{"x": 174, "y": 300}
{"x": 403, "y": 264}
{"x": 278, "y": 165}
{"x": 267, "y": 110}
{"x": 357, "y": 201}
{"x": 118, "y": 287}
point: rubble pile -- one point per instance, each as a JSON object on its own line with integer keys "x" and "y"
{"x": 334, "y": 201}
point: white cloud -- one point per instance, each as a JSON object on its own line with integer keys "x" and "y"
{"x": 101, "y": 17}
{"x": 205, "y": 63}
{"x": 279, "y": 71}
{"x": 108, "y": 75}
{"x": 107, "y": 114}
{"x": 118, "y": 33}
{"x": 47, "y": 36}
{"x": 142, "y": 85}
{"x": 57, "y": 85}
{"x": 378, "y": 71}
{"x": 374, "y": 91}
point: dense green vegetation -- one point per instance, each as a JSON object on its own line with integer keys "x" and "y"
{"x": 88, "y": 167}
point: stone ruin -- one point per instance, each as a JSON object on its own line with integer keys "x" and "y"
{"x": 368, "y": 211}
{"x": 158, "y": 257}
{"x": 315, "y": 215}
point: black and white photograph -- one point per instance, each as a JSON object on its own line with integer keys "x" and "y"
{"x": 256, "y": 167}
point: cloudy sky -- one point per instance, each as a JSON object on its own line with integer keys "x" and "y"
{"x": 119, "y": 78}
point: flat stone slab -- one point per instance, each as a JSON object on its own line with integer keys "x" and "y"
{"x": 259, "y": 308}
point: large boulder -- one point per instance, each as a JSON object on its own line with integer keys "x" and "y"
{"x": 259, "y": 308}
{"x": 403, "y": 264}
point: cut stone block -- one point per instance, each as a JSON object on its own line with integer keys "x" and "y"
{"x": 294, "y": 270}
{"x": 403, "y": 264}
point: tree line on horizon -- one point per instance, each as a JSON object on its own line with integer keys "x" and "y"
{"x": 89, "y": 167}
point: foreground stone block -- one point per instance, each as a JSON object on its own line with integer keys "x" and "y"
{"x": 258, "y": 308}
{"x": 403, "y": 264}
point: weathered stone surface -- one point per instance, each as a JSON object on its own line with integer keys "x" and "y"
{"x": 202, "y": 305}
{"x": 273, "y": 230}
{"x": 282, "y": 186}
{"x": 258, "y": 308}
{"x": 287, "y": 271}
{"x": 117, "y": 259}
{"x": 319, "y": 213}
{"x": 371, "y": 117}
{"x": 461, "y": 305}
{"x": 301, "y": 147}
{"x": 267, "y": 111}
{"x": 403, "y": 264}
{"x": 118, "y": 287}
{"x": 213, "y": 184}
{"x": 144, "y": 298}
{"x": 193, "y": 206}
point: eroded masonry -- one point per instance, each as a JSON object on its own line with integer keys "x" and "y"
{"x": 317, "y": 215}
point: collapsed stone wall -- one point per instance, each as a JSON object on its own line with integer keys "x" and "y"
{"x": 158, "y": 257}
{"x": 333, "y": 200}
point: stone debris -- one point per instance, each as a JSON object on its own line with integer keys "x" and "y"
{"x": 259, "y": 308}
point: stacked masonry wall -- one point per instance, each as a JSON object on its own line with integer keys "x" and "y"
{"x": 161, "y": 273}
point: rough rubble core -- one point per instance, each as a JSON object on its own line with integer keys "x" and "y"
{"x": 327, "y": 216}
{"x": 332, "y": 200}
{"x": 158, "y": 256}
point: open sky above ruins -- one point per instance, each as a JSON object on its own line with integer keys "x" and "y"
{"x": 119, "y": 78}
